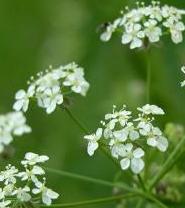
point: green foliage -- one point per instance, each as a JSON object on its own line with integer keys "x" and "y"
{"x": 35, "y": 34}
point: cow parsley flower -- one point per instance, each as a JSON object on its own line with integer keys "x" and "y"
{"x": 47, "y": 194}
{"x": 124, "y": 134}
{"x": 132, "y": 158}
{"x": 151, "y": 109}
{"x": 50, "y": 87}
{"x": 23, "y": 194}
{"x": 24, "y": 185}
{"x": 12, "y": 124}
{"x": 147, "y": 23}
{"x": 33, "y": 159}
{"x": 5, "y": 204}
{"x": 93, "y": 141}
{"x": 133, "y": 35}
{"x": 156, "y": 139}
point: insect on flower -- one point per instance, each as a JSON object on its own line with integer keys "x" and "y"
{"x": 147, "y": 23}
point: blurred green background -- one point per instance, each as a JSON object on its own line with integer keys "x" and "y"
{"x": 38, "y": 33}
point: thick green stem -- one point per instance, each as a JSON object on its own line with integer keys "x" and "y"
{"x": 170, "y": 162}
{"x": 94, "y": 201}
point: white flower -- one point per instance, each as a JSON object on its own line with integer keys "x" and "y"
{"x": 132, "y": 158}
{"x": 50, "y": 99}
{"x": 93, "y": 141}
{"x": 47, "y": 194}
{"x": 31, "y": 174}
{"x": 8, "y": 189}
{"x": 106, "y": 36}
{"x": 152, "y": 31}
{"x": 176, "y": 29}
{"x": 8, "y": 176}
{"x": 151, "y": 109}
{"x": 121, "y": 116}
{"x": 144, "y": 128}
{"x": 183, "y": 70}
{"x": 123, "y": 134}
{"x": 151, "y": 22}
{"x": 2, "y": 194}
{"x": 135, "y": 15}
{"x": 23, "y": 194}
{"x": 157, "y": 140}
{"x": 133, "y": 35}
{"x": 155, "y": 12}
{"x": 12, "y": 124}
{"x": 49, "y": 88}
{"x": 33, "y": 159}
{"x": 77, "y": 82}
{"x": 22, "y": 98}
{"x": 116, "y": 143}
{"x": 4, "y": 204}
{"x": 11, "y": 178}
{"x": 116, "y": 148}
{"x": 133, "y": 133}
{"x": 17, "y": 123}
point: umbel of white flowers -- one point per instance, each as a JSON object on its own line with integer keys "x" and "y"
{"x": 51, "y": 86}
{"x": 27, "y": 185}
{"x": 12, "y": 124}
{"x": 124, "y": 135}
{"x": 147, "y": 23}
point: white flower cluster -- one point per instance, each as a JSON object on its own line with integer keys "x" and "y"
{"x": 33, "y": 187}
{"x": 183, "y": 70}
{"x": 147, "y": 23}
{"x": 50, "y": 87}
{"x": 123, "y": 134}
{"x": 12, "y": 124}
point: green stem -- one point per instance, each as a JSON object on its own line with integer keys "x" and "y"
{"x": 76, "y": 120}
{"x": 123, "y": 186}
{"x": 89, "y": 179}
{"x": 106, "y": 153}
{"x": 148, "y": 87}
{"x": 81, "y": 126}
{"x": 141, "y": 182}
{"x": 102, "y": 182}
{"x": 156, "y": 201}
{"x": 94, "y": 201}
{"x": 140, "y": 203}
{"x": 170, "y": 162}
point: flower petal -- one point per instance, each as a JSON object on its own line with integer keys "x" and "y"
{"x": 125, "y": 163}
{"x": 162, "y": 144}
{"x": 92, "y": 146}
{"x": 137, "y": 165}
{"x": 138, "y": 153}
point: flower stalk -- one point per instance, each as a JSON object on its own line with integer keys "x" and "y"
{"x": 149, "y": 74}
{"x": 94, "y": 201}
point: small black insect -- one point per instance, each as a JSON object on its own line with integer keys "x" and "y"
{"x": 101, "y": 28}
